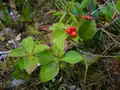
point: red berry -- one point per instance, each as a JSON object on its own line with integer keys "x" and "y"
{"x": 73, "y": 28}
{"x": 73, "y": 34}
{"x": 68, "y": 31}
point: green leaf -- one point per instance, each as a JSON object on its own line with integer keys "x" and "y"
{"x": 57, "y": 26}
{"x": 59, "y": 13}
{"x": 58, "y": 38}
{"x": 21, "y": 63}
{"x": 27, "y": 11}
{"x": 28, "y": 44}
{"x": 73, "y": 17}
{"x": 18, "y": 52}
{"x": 62, "y": 17}
{"x": 76, "y": 39}
{"x": 93, "y": 6}
{"x": 84, "y": 4}
{"x": 71, "y": 6}
{"x": 59, "y": 44}
{"x": 108, "y": 11}
{"x": 72, "y": 57}
{"x": 57, "y": 32}
{"x": 48, "y": 72}
{"x": 62, "y": 4}
{"x": 20, "y": 74}
{"x": 40, "y": 48}
{"x": 31, "y": 64}
{"x": 75, "y": 9}
{"x": 87, "y": 29}
{"x": 17, "y": 74}
{"x": 118, "y": 5}
{"x": 46, "y": 57}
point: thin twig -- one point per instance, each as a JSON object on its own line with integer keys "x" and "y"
{"x": 100, "y": 7}
{"x": 110, "y": 36}
{"x": 107, "y": 48}
{"x": 114, "y": 35}
{"x": 91, "y": 84}
{"x": 95, "y": 82}
{"x": 111, "y": 23}
{"x": 85, "y": 76}
{"x": 96, "y": 55}
{"x": 5, "y": 52}
{"x": 115, "y": 7}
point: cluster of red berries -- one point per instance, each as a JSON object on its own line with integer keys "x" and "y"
{"x": 72, "y": 31}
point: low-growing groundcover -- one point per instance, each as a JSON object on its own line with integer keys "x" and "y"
{"x": 60, "y": 44}
{"x": 49, "y": 57}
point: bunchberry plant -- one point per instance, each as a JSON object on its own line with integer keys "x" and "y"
{"x": 31, "y": 54}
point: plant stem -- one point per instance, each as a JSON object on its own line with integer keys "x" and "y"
{"x": 85, "y": 76}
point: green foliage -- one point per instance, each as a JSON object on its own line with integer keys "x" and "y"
{"x": 31, "y": 64}
{"x": 72, "y": 57}
{"x": 108, "y": 11}
{"x": 26, "y": 13}
{"x": 68, "y": 13}
{"x": 28, "y": 60}
{"x": 19, "y": 71}
{"x": 71, "y": 5}
{"x": 33, "y": 54}
{"x": 87, "y": 29}
{"x": 73, "y": 18}
{"x": 61, "y": 4}
{"x": 77, "y": 8}
{"x": 1, "y": 26}
{"x": 59, "y": 13}
{"x": 48, "y": 72}
{"x": 40, "y": 48}
{"x": 28, "y": 44}
{"x": 118, "y": 5}
{"x": 62, "y": 17}
{"x": 18, "y": 52}
{"x": 84, "y": 4}
{"x": 58, "y": 38}
{"x": 46, "y": 57}
{"x": 21, "y": 63}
